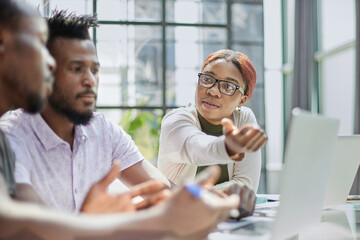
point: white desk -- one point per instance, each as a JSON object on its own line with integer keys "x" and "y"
{"x": 342, "y": 222}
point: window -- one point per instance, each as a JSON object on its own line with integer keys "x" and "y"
{"x": 151, "y": 51}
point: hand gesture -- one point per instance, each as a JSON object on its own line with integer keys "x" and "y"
{"x": 248, "y": 138}
{"x": 99, "y": 201}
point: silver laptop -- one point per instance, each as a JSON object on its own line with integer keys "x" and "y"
{"x": 308, "y": 158}
{"x": 345, "y": 165}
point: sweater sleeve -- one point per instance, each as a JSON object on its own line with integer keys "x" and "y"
{"x": 248, "y": 170}
{"x": 181, "y": 141}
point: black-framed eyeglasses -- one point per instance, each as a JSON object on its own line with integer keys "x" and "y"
{"x": 225, "y": 87}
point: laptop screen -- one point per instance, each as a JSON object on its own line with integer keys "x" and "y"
{"x": 308, "y": 159}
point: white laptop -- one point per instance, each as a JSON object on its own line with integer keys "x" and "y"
{"x": 308, "y": 158}
{"x": 345, "y": 165}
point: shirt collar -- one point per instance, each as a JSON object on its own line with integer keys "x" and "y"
{"x": 48, "y": 137}
{"x": 80, "y": 133}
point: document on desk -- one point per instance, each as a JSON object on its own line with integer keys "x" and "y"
{"x": 250, "y": 228}
{"x": 268, "y": 197}
{"x": 267, "y": 209}
{"x": 257, "y": 226}
{"x": 272, "y": 205}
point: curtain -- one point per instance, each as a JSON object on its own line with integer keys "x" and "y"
{"x": 303, "y": 82}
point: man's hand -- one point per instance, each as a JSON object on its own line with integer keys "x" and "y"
{"x": 98, "y": 201}
{"x": 249, "y": 138}
{"x": 152, "y": 192}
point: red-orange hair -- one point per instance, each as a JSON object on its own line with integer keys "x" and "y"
{"x": 241, "y": 61}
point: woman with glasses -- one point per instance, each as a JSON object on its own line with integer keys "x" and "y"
{"x": 218, "y": 129}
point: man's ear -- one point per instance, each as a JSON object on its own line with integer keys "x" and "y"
{"x": 2, "y": 47}
{"x": 5, "y": 37}
{"x": 243, "y": 100}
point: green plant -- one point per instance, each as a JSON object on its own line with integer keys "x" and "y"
{"x": 144, "y": 128}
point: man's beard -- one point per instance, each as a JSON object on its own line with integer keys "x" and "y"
{"x": 60, "y": 105}
{"x": 35, "y": 103}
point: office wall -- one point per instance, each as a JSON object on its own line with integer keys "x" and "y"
{"x": 337, "y": 66}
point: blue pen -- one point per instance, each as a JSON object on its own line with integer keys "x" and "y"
{"x": 208, "y": 197}
{"x": 194, "y": 189}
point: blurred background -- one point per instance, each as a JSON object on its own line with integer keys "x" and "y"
{"x": 151, "y": 51}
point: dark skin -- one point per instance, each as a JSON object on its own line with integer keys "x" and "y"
{"x": 246, "y": 139}
{"x": 24, "y": 48}
{"x": 98, "y": 201}
{"x": 77, "y": 72}
{"x": 217, "y": 108}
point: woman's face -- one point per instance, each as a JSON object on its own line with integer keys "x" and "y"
{"x": 213, "y": 105}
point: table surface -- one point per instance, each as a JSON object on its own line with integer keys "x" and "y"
{"x": 342, "y": 222}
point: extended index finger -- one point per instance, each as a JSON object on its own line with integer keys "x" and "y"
{"x": 148, "y": 187}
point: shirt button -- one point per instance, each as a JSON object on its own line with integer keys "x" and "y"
{"x": 75, "y": 190}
